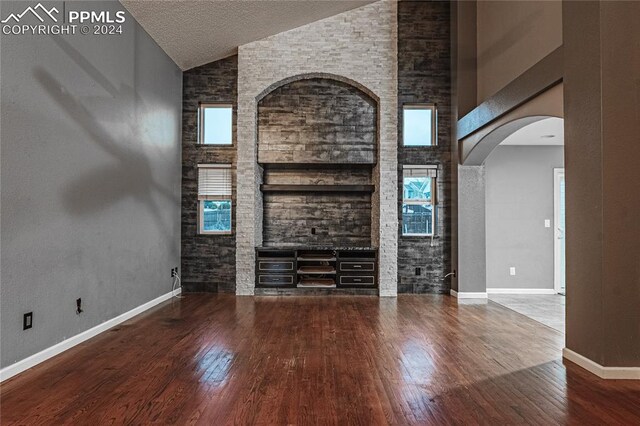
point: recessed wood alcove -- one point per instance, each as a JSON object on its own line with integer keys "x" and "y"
{"x": 317, "y": 145}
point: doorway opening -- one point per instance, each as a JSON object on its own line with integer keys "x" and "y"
{"x": 524, "y": 218}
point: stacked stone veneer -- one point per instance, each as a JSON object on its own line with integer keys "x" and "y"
{"x": 207, "y": 261}
{"x": 317, "y": 121}
{"x": 358, "y": 47}
{"x": 324, "y": 125}
{"x": 424, "y": 76}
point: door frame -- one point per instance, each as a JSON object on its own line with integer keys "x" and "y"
{"x": 558, "y": 173}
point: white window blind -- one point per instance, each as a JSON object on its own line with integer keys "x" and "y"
{"x": 214, "y": 181}
{"x": 430, "y": 171}
{"x": 420, "y": 171}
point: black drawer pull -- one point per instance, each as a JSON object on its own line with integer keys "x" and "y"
{"x": 275, "y": 279}
{"x": 275, "y": 266}
{"x": 357, "y": 280}
{"x": 357, "y": 266}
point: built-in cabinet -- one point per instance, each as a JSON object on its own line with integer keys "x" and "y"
{"x": 316, "y": 268}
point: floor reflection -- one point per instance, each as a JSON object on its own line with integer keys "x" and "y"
{"x": 219, "y": 359}
{"x": 214, "y": 365}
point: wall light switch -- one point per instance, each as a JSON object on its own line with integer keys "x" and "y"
{"x": 512, "y": 270}
{"x": 547, "y": 223}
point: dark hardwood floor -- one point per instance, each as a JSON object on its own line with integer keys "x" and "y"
{"x": 218, "y": 359}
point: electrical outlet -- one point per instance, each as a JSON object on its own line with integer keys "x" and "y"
{"x": 512, "y": 270}
{"x": 173, "y": 272}
{"x": 547, "y": 223}
{"x": 418, "y": 271}
{"x": 27, "y": 321}
{"x": 79, "y": 306}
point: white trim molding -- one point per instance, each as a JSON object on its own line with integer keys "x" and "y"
{"x": 521, "y": 291}
{"x": 35, "y": 359}
{"x": 559, "y": 274}
{"x": 468, "y": 295}
{"x": 628, "y": 373}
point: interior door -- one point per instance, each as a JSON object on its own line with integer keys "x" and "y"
{"x": 559, "y": 231}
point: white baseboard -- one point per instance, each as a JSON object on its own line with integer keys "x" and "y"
{"x": 521, "y": 291}
{"x": 468, "y": 295}
{"x": 35, "y": 359}
{"x": 629, "y": 373}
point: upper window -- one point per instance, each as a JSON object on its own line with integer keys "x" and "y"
{"x": 419, "y": 125}
{"x": 214, "y": 198}
{"x": 215, "y": 124}
{"x": 418, "y": 200}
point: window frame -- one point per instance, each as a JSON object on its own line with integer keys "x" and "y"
{"x": 201, "y": 229}
{"x": 200, "y": 121}
{"x": 421, "y": 202}
{"x": 229, "y": 198}
{"x": 434, "y": 123}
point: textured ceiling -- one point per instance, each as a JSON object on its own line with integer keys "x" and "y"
{"x": 549, "y": 131}
{"x": 194, "y": 33}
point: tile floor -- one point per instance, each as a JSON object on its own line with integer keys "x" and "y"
{"x": 545, "y": 308}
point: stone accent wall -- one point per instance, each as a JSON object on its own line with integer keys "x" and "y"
{"x": 424, "y": 76}
{"x": 342, "y": 220}
{"x": 323, "y": 122}
{"x": 208, "y": 261}
{"x": 339, "y": 220}
{"x": 359, "y": 46}
{"x": 317, "y": 121}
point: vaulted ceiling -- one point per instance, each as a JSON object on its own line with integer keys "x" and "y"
{"x": 194, "y": 33}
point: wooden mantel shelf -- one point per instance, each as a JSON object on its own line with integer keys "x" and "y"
{"x": 317, "y": 166}
{"x": 317, "y": 188}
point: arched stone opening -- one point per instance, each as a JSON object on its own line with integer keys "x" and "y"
{"x": 317, "y": 129}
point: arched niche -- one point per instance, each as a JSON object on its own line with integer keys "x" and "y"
{"x": 317, "y": 118}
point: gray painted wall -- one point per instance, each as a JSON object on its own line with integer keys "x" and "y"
{"x": 601, "y": 110}
{"x": 90, "y": 180}
{"x": 519, "y": 197}
{"x": 472, "y": 257}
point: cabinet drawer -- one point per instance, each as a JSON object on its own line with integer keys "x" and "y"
{"x": 357, "y": 280}
{"x": 275, "y": 279}
{"x": 275, "y": 265}
{"x": 357, "y": 266}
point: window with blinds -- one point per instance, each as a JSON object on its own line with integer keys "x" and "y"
{"x": 214, "y": 181}
{"x": 419, "y": 196}
{"x": 215, "y": 187}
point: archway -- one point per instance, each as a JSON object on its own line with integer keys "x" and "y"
{"x": 475, "y": 148}
{"x": 508, "y": 217}
{"x": 524, "y": 222}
